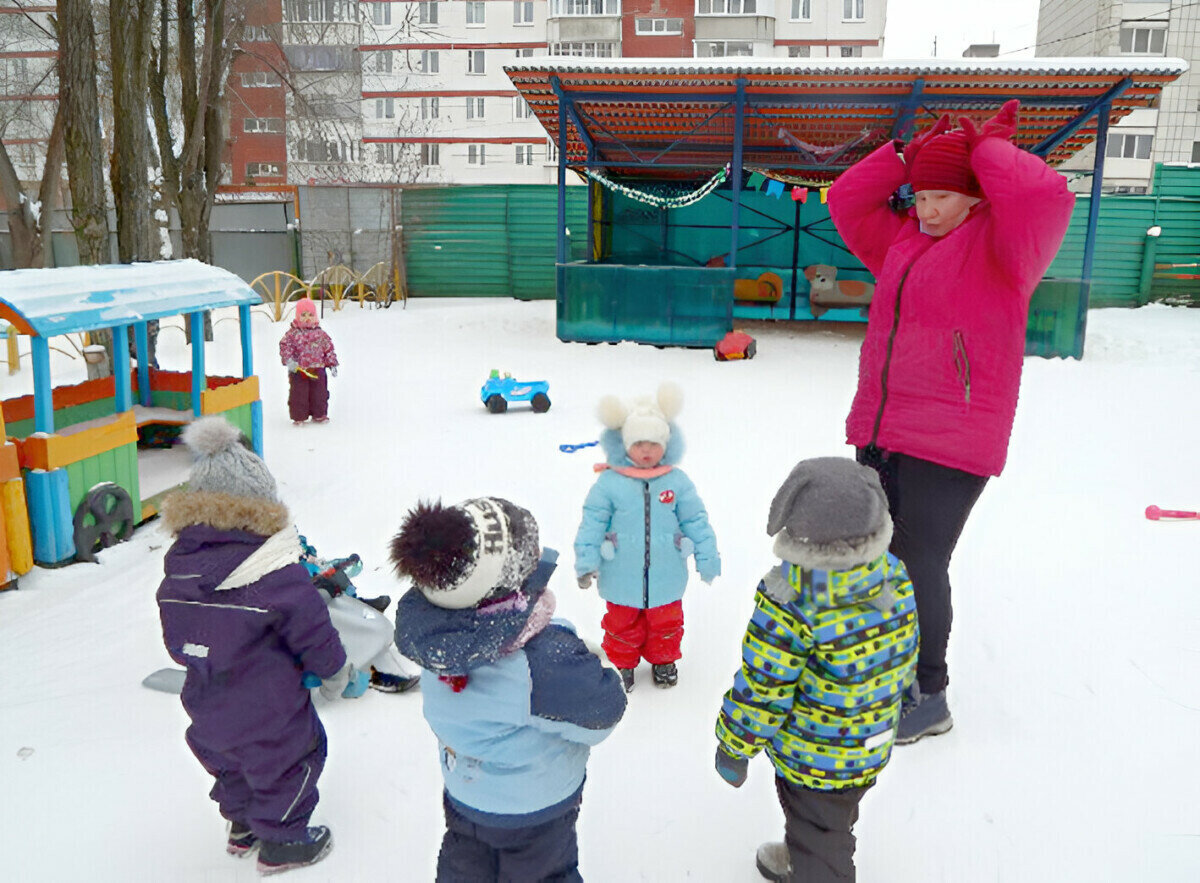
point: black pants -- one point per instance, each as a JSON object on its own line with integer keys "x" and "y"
{"x": 474, "y": 853}
{"x": 818, "y": 830}
{"x": 929, "y": 504}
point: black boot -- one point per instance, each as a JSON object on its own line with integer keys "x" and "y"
{"x": 627, "y": 678}
{"x": 242, "y": 840}
{"x": 381, "y": 603}
{"x": 666, "y": 675}
{"x": 274, "y": 857}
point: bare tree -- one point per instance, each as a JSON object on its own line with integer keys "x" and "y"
{"x": 205, "y": 36}
{"x": 131, "y": 30}
{"x": 79, "y": 112}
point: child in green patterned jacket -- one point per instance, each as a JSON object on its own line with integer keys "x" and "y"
{"x": 830, "y": 648}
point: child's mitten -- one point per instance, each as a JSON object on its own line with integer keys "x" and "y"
{"x": 709, "y": 569}
{"x": 1002, "y": 125}
{"x": 357, "y": 685}
{"x": 732, "y": 769}
{"x": 608, "y": 548}
{"x": 685, "y": 545}
{"x": 332, "y": 686}
{"x": 333, "y": 370}
{"x": 292, "y": 366}
{"x": 585, "y": 580}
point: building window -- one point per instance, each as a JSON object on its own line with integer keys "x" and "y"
{"x": 429, "y": 108}
{"x": 430, "y": 155}
{"x": 474, "y": 108}
{"x": 726, "y": 7}
{"x": 801, "y": 10}
{"x": 723, "y": 48}
{"x": 385, "y": 154}
{"x": 256, "y": 34}
{"x": 324, "y": 151}
{"x": 1196, "y": 151}
{"x": 551, "y": 151}
{"x": 267, "y": 125}
{"x": 585, "y": 7}
{"x": 521, "y": 109}
{"x": 588, "y": 49}
{"x": 524, "y": 154}
{"x": 1129, "y": 146}
{"x": 475, "y": 13}
{"x": 381, "y": 13}
{"x": 850, "y": 52}
{"x": 524, "y": 53}
{"x": 476, "y": 63}
{"x": 321, "y": 11}
{"x": 648, "y": 26}
{"x": 800, "y": 51}
{"x": 382, "y": 61}
{"x": 427, "y": 14}
{"x": 1143, "y": 41}
{"x": 385, "y": 108}
{"x": 259, "y": 79}
{"x": 522, "y": 12}
{"x": 429, "y": 61}
{"x": 852, "y": 10}
{"x": 476, "y": 154}
{"x": 263, "y": 170}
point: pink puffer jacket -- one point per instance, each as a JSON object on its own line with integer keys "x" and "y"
{"x": 307, "y": 347}
{"x": 940, "y": 367}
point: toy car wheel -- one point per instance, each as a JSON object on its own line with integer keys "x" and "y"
{"x": 751, "y": 349}
{"x": 496, "y": 404}
{"x": 540, "y": 402}
{"x": 103, "y": 519}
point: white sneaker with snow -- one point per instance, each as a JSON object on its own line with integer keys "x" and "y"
{"x": 773, "y": 862}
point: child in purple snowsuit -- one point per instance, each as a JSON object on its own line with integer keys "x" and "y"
{"x": 307, "y": 352}
{"x": 240, "y": 612}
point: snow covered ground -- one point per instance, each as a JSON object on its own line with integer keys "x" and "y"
{"x": 1073, "y": 659}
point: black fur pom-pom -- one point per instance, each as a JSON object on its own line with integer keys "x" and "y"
{"x": 434, "y": 546}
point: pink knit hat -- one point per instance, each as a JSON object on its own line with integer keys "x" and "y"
{"x": 304, "y": 306}
{"x": 943, "y": 164}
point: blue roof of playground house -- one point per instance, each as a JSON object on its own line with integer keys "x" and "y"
{"x": 62, "y": 300}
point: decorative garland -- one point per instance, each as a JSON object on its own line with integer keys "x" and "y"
{"x": 657, "y": 200}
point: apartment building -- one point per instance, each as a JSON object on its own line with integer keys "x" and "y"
{"x": 28, "y": 86}
{"x": 414, "y": 91}
{"x": 1169, "y": 132}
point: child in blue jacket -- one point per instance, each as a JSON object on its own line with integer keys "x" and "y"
{"x": 641, "y": 521}
{"x": 514, "y": 697}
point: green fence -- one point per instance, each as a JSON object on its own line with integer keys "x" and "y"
{"x": 487, "y": 241}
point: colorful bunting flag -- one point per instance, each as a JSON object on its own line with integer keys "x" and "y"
{"x": 775, "y": 188}
{"x": 799, "y": 194}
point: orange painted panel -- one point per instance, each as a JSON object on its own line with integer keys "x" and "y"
{"x": 10, "y": 464}
{"x": 55, "y": 451}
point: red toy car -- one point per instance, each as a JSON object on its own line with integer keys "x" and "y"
{"x": 734, "y": 345}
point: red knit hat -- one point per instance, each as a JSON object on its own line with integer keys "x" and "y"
{"x": 942, "y": 164}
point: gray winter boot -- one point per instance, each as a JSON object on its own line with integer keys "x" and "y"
{"x": 773, "y": 862}
{"x": 922, "y": 715}
{"x": 626, "y": 679}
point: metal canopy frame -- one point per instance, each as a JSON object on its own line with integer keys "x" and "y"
{"x": 678, "y": 120}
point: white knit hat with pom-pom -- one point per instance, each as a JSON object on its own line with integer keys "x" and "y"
{"x": 222, "y": 464}
{"x": 646, "y": 418}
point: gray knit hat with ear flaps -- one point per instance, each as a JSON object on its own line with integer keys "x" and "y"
{"x": 222, "y": 464}
{"x": 832, "y": 504}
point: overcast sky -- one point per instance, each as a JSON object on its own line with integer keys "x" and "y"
{"x": 913, "y": 24}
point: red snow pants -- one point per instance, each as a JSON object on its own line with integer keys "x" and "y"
{"x": 635, "y": 633}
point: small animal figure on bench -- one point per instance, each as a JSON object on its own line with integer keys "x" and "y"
{"x": 826, "y": 291}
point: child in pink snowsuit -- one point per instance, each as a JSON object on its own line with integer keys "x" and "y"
{"x": 307, "y": 352}
{"x": 940, "y": 366}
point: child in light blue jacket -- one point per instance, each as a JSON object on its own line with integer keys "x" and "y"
{"x": 642, "y": 520}
{"x": 515, "y": 699}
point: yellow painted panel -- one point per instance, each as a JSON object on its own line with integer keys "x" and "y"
{"x": 16, "y": 520}
{"x": 226, "y": 398}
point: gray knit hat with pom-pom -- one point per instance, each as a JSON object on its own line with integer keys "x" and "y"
{"x": 222, "y": 464}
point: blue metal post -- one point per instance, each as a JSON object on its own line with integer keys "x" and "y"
{"x": 247, "y": 350}
{"x": 1089, "y": 242}
{"x": 43, "y": 403}
{"x": 561, "y": 253}
{"x": 196, "y": 321}
{"x": 123, "y": 385}
{"x": 141, "y": 336}
{"x": 735, "y": 167}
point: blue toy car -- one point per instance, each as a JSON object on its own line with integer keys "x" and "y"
{"x": 499, "y": 391}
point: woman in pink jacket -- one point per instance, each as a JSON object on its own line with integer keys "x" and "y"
{"x": 940, "y": 367}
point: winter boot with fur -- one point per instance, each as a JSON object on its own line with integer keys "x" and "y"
{"x": 242, "y": 841}
{"x": 627, "y": 678}
{"x": 922, "y": 715}
{"x": 773, "y": 862}
{"x": 274, "y": 858}
{"x": 666, "y": 675}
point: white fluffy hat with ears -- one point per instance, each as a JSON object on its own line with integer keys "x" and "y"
{"x": 646, "y": 419}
